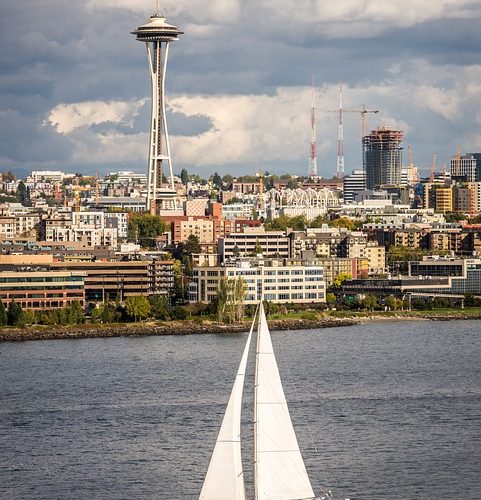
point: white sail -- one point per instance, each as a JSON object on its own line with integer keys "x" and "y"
{"x": 280, "y": 472}
{"x": 225, "y": 478}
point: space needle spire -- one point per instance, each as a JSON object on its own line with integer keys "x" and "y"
{"x": 157, "y": 35}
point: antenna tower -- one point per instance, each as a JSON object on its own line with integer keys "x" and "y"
{"x": 340, "y": 141}
{"x": 313, "y": 145}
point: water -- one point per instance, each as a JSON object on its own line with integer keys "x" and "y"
{"x": 394, "y": 410}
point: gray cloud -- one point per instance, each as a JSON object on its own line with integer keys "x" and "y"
{"x": 55, "y": 52}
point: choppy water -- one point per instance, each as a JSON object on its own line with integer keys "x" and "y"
{"x": 394, "y": 410}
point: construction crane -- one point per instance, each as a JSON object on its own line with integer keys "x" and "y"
{"x": 410, "y": 156}
{"x": 97, "y": 195}
{"x": 260, "y": 174}
{"x": 363, "y": 112}
{"x": 76, "y": 190}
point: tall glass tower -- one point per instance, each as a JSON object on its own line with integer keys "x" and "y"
{"x": 157, "y": 34}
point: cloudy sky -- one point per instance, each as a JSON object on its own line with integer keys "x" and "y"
{"x": 74, "y": 88}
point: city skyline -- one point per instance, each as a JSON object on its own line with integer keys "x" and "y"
{"x": 74, "y": 92}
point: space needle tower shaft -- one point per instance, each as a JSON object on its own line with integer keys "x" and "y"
{"x": 157, "y": 35}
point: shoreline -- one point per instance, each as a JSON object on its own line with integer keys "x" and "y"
{"x": 203, "y": 326}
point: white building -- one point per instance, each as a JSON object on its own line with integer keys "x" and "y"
{"x": 238, "y": 211}
{"x": 47, "y": 176}
{"x": 279, "y": 281}
{"x": 353, "y": 183}
{"x": 127, "y": 176}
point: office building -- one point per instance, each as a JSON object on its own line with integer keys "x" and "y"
{"x": 279, "y": 281}
{"x": 352, "y": 184}
{"x": 463, "y": 168}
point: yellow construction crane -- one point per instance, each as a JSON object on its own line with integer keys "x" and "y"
{"x": 76, "y": 190}
{"x": 363, "y": 112}
{"x": 260, "y": 174}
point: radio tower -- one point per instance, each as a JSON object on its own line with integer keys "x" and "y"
{"x": 340, "y": 141}
{"x": 313, "y": 145}
{"x": 157, "y": 35}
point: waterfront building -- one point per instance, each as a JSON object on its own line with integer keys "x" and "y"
{"x": 25, "y": 280}
{"x": 278, "y": 281}
{"x": 382, "y": 157}
{"x": 116, "y": 280}
{"x": 157, "y": 35}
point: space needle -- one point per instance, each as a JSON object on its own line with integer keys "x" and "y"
{"x": 157, "y": 34}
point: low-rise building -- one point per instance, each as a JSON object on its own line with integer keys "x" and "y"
{"x": 42, "y": 289}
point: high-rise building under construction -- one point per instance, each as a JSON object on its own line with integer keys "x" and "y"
{"x": 382, "y": 157}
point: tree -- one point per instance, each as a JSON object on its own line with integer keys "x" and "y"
{"x": 345, "y": 223}
{"x": 137, "y": 307}
{"x": 298, "y": 223}
{"x": 14, "y": 314}
{"x": 184, "y": 176}
{"x": 331, "y": 298}
{"x": 257, "y": 249}
{"x": 105, "y": 313}
{"x": 75, "y": 314}
{"x": 227, "y": 180}
{"x": 340, "y": 279}
{"x": 3, "y": 314}
{"x": 8, "y": 176}
{"x": 217, "y": 181}
{"x": 230, "y": 299}
{"x": 369, "y": 302}
{"x": 159, "y": 307}
{"x": 145, "y": 228}
{"x": 319, "y": 221}
{"x": 393, "y": 303}
{"x": 398, "y": 257}
{"x": 23, "y": 194}
{"x": 192, "y": 245}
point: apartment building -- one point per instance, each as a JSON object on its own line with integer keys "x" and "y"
{"x": 253, "y": 241}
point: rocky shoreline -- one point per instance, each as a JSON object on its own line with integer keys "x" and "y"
{"x": 165, "y": 328}
{"x": 202, "y": 326}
